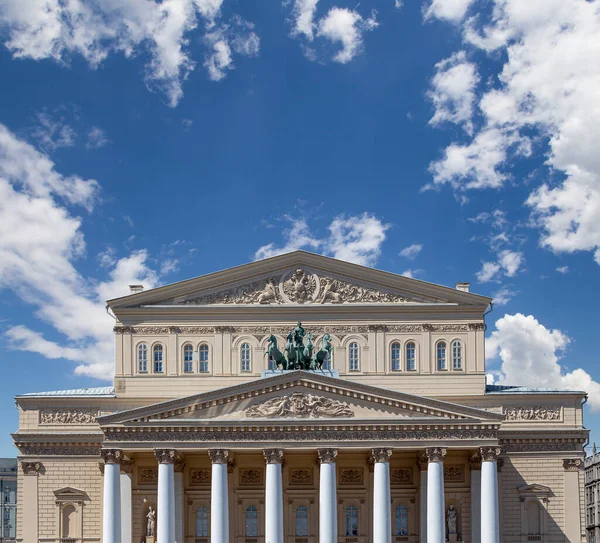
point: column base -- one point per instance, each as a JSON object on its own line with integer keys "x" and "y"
{"x": 452, "y": 538}
{"x": 150, "y": 539}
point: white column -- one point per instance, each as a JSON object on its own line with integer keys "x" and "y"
{"x": 422, "y": 463}
{"x": 382, "y": 500}
{"x": 111, "y": 512}
{"x": 490, "y": 526}
{"x": 436, "y": 521}
{"x": 165, "y": 503}
{"x": 475, "y": 463}
{"x": 126, "y": 501}
{"x": 179, "y": 499}
{"x": 219, "y": 500}
{"x": 274, "y": 497}
{"x": 327, "y": 496}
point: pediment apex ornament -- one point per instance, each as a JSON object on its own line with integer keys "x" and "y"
{"x": 300, "y": 405}
{"x": 273, "y": 456}
{"x": 435, "y": 454}
{"x": 572, "y": 464}
{"x": 489, "y": 454}
{"x": 165, "y": 456}
{"x": 219, "y": 456}
{"x": 111, "y": 456}
{"x": 297, "y": 286}
{"x": 327, "y": 456}
{"x": 381, "y": 455}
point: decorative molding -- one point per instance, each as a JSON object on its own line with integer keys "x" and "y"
{"x": 111, "y": 456}
{"x": 401, "y": 476}
{"x": 403, "y": 328}
{"x": 147, "y": 476}
{"x": 533, "y": 413}
{"x": 199, "y": 477}
{"x": 165, "y": 456}
{"x": 572, "y": 464}
{"x": 31, "y": 468}
{"x": 381, "y": 454}
{"x": 273, "y": 456}
{"x": 489, "y": 454}
{"x": 300, "y": 405}
{"x": 352, "y": 476}
{"x": 476, "y": 326}
{"x": 68, "y": 416}
{"x": 251, "y": 477}
{"x": 541, "y": 447}
{"x": 61, "y": 449}
{"x": 454, "y": 473}
{"x": 218, "y": 456}
{"x": 435, "y": 454}
{"x": 301, "y": 476}
{"x": 327, "y": 456}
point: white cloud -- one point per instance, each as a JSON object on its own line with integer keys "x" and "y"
{"x": 303, "y": 13}
{"x": 96, "y": 138}
{"x": 52, "y": 29}
{"x": 411, "y": 251}
{"x": 412, "y": 273}
{"x": 508, "y": 264}
{"x": 489, "y": 271}
{"x": 355, "y": 239}
{"x": 563, "y": 269}
{"x": 449, "y": 10}
{"x": 52, "y": 133}
{"x": 546, "y": 89}
{"x": 453, "y": 91}
{"x": 503, "y": 296}
{"x": 41, "y": 242}
{"x": 530, "y": 356}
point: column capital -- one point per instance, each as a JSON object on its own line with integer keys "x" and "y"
{"x": 219, "y": 456}
{"x": 111, "y": 456}
{"x": 381, "y": 455}
{"x": 489, "y": 454}
{"x": 273, "y": 456}
{"x": 179, "y": 464}
{"x": 327, "y": 456}
{"x": 572, "y": 464}
{"x": 165, "y": 456}
{"x": 422, "y": 461}
{"x": 31, "y": 468}
{"x": 435, "y": 454}
{"x": 475, "y": 461}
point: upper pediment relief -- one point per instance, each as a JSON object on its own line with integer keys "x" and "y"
{"x": 300, "y": 286}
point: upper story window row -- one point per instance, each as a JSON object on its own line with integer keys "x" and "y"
{"x": 193, "y": 360}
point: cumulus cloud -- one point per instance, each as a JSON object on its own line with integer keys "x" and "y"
{"x": 545, "y": 92}
{"x": 341, "y": 26}
{"x": 508, "y": 264}
{"x": 411, "y": 251}
{"x": 356, "y": 239}
{"x": 52, "y": 29}
{"x": 530, "y": 354}
{"x": 503, "y": 296}
{"x": 40, "y": 244}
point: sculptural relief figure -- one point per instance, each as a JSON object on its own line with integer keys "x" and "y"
{"x": 151, "y": 516}
{"x": 269, "y": 294}
{"x": 300, "y": 405}
{"x": 451, "y": 519}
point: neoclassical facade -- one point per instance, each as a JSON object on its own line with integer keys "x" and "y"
{"x": 301, "y": 399}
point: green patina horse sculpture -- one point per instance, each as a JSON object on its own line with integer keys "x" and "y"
{"x": 322, "y": 354}
{"x": 275, "y": 353}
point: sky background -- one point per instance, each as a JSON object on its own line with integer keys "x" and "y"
{"x": 150, "y": 142}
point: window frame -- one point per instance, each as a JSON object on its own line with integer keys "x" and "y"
{"x": 188, "y": 363}
{"x": 255, "y": 528}
{"x": 415, "y": 355}
{"x": 156, "y": 348}
{"x": 203, "y": 348}
{"x": 400, "y": 508}
{"x": 246, "y": 347}
{"x": 137, "y": 350}
{"x": 397, "y": 360}
{"x": 347, "y": 518}
{"x": 205, "y": 521}
{"x": 438, "y": 359}
{"x": 353, "y": 356}
{"x": 305, "y": 521}
{"x": 461, "y": 348}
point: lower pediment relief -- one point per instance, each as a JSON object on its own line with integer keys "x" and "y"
{"x": 300, "y": 405}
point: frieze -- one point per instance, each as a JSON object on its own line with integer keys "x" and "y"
{"x": 50, "y": 450}
{"x": 541, "y": 447}
{"x": 301, "y": 476}
{"x": 147, "y": 476}
{"x": 535, "y": 413}
{"x": 401, "y": 476}
{"x": 299, "y": 405}
{"x": 454, "y": 474}
{"x": 199, "y": 477}
{"x": 351, "y": 476}
{"x": 251, "y": 477}
{"x": 68, "y": 416}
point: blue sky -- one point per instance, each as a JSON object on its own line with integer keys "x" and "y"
{"x": 151, "y": 142}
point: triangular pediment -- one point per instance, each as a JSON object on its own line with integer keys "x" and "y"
{"x": 69, "y": 492}
{"x": 300, "y": 396}
{"x": 299, "y": 278}
{"x": 534, "y": 489}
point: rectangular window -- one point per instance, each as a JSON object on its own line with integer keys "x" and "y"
{"x": 354, "y": 357}
{"x": 203, "y": 356}
{"x": 188, "y": 360}
{"x": 411, "y": 357}
{"x": 158, "y": 360}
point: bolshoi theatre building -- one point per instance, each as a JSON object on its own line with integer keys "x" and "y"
{"x": 300, "y": 399}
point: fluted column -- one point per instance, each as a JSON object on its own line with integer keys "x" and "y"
{"x": 165, "y": 506}
{"x": 274, "y": 497}
{"x": 219, "y": 500}
{"x": 475, "y": 464}
{"x": 436, "y": 521}
{"x": 490, "y": 525}
{"x": 327, "y": 496}
{"x": 382, "y": 506}
{"x": 111, "y": 512}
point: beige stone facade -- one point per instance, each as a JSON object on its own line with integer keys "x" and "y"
{"x": 406, "y": 373}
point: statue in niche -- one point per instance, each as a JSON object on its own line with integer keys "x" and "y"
{"x": 151, "y": 516}
{"x": 451, "y": 520}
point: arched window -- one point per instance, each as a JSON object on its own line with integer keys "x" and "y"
{"x": 457, "y": 355}
{"x": 251, "y": 521}
{"x": 246, "y": 358}
{"x": 411, "y": 356}
{"x": 188, "y": 358}
{"x": 353, "y": 357}
{"x": 158, "y": 358}
{"x": 441, "y": 356}
{"x": 533, "y": 518}
{"x": 142, "y": 356}
{"x": 396, "y": 356}
{"x": 351, "y": 520}
{"x": 202, "y": 522}
{"x": 301, "y": 521}
{"x": 401, "y": 520}
{"x": 203, "y": 358}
